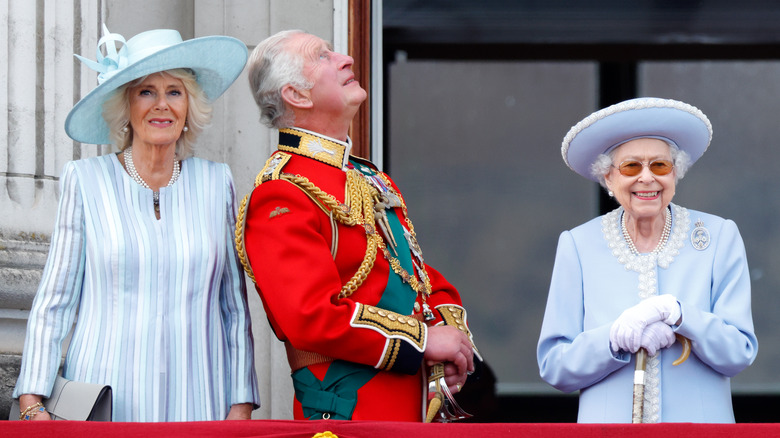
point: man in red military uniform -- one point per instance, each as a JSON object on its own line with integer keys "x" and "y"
{"x": 328, "y": 240}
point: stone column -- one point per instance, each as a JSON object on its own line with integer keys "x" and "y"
{"x": 41, "y": 82}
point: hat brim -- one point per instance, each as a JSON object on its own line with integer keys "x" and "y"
{"x": 216, "y": 60}
{"x": 684, "y": 125}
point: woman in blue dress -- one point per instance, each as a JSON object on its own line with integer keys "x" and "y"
{"x": 644, "y": 273}
{"x": 142, "y": 256}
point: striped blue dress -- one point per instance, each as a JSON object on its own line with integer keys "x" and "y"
{"x": 162, "y": 311}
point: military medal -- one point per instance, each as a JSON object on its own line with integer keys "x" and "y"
{"x": 380, "y": 217}
{"x": 413, "y": 244}
{"x": 391, "y": 199}
{"x": 383, "y": 199}
{"x": 427, "y": 312}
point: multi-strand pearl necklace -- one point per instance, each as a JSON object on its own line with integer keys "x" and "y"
{"x": 664, "y": 235}
{"x": 128, "y": 154}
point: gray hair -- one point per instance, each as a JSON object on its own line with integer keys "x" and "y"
{"x": 680, "y": 158}
{"x": 116, "y": 112}
{"x": 270, "y": 68}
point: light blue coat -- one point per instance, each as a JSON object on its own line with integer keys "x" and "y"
{"x": 162, "y": 311}
{"x": 589, "y": 290}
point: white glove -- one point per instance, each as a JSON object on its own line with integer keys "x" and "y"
{"x": 656, "y": 336}
{"x": 626, "y": 332}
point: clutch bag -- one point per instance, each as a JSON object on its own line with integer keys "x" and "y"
{"x": 72, "y": 400}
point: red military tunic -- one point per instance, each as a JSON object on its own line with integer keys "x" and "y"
{"x": 303, "y": 258}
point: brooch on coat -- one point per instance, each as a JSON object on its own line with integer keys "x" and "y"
{"x": 700, "y": 236}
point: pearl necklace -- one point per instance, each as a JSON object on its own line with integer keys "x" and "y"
{"x": 664, "y": 234}
{"x": 128, "y": 154}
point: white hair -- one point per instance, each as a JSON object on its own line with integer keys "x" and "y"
{"x": 271, "y": 66}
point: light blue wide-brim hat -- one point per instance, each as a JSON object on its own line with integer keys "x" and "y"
{"x": 677, "y": 122}
{"x": 216, "y": 61}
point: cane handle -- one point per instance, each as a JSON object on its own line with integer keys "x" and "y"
{"x": 686, "y": 349}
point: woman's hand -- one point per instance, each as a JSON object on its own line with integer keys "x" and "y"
{"x": 656, "y": 336}
{"x": 241, "y": 411}
{"x": 27, "y": 400}
{"x": 626, "y": 332}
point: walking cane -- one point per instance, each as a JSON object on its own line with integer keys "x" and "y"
{"x": 639, "y": 377}
{"x": 638, "y": 406}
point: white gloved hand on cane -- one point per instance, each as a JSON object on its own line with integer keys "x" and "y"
{"x": 626, "y": 332}
{"x": 656, "y": 336}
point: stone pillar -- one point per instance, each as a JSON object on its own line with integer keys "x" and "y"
{"x": 42, "y": 82}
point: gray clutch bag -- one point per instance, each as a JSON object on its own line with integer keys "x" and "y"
{"x": 71, "y": 400}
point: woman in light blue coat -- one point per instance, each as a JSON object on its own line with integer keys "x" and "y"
{"x": 142, "y": 264}
{"x": 644, "y": 273}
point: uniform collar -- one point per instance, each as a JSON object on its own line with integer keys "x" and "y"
{"x": 315, "y": 146}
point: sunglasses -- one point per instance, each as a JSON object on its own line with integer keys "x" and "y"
{"x": 634, "y": 167}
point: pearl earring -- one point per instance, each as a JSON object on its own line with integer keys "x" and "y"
{"x": 609, "y": 192}
{"x": 185, "y": 128}
{"x": 125, "y": 129}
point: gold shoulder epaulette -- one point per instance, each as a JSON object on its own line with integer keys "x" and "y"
{"x": 336, "y": 211}
{"x": 273, "y": 167}
{"x": 271, "y": 170}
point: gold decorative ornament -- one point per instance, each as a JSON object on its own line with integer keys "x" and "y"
{"x": 455, "y": 316}
{"x": 358, "y": 209}
{"x": 314, "y": 147}
{"x": 391, "y": 324}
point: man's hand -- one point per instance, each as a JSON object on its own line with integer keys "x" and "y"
{"x": 452, "y": 347}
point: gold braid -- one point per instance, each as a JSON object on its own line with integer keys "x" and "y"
{"x": 239, "y": 239}
{"x": 360, "y": 212}
{"x": 360, "y": 197}
{"x": 358, "y": 209}
{"x": 403, "y": 205}
{"x": 426, "y": 287}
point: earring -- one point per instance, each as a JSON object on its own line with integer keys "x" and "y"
{"x": 185, "y": 128}
{"x": 609, "y": 192}
{"x": 125, "y": 129}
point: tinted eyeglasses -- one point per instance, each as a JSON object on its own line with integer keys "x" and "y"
{"x": 634, "y": 167}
